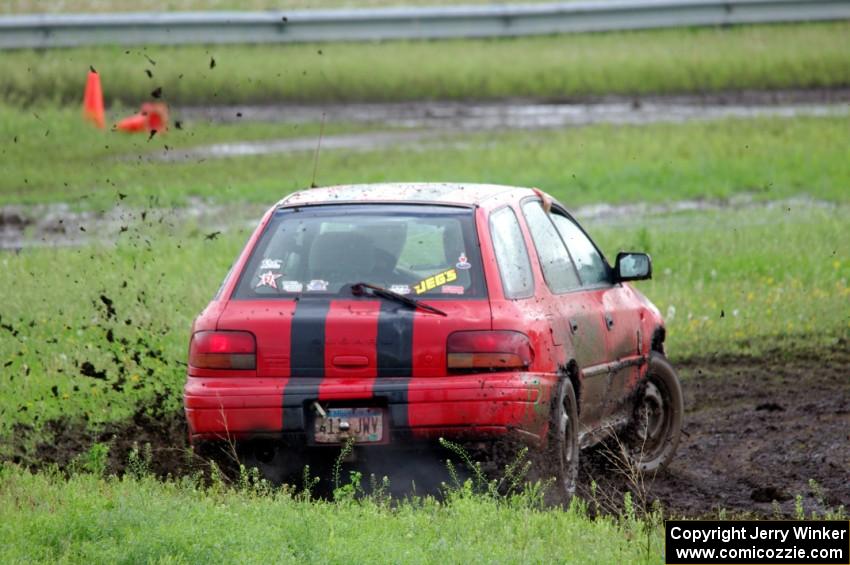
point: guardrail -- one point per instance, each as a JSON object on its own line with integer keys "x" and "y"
{"x": 66, "y": 30}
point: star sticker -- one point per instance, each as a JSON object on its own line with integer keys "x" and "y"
{"x": 269, "y": 279}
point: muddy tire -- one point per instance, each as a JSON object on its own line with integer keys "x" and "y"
{"x": 563, "y": 452}
{"x": 653, "y": 436}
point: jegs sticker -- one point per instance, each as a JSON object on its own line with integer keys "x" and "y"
{"x": 463, "y": 263}
{"x": 317, "y": 285}
{"x": 270, "y": 264}
{"x": 452, "y": 289}
{"x": 434, "y": 281}
{"x": 269, "y": 279}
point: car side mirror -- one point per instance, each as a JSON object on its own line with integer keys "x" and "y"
{"x": 632, "y": 267}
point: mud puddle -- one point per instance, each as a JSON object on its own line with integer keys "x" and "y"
{"x": 429, "y": 120}
{"x": 521, "y": 112}
{"x": 356, "y": 141}
{"x": 471, "y": 117}
{"x": 757, "y": 431}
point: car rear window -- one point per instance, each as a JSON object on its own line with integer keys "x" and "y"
{"x": 415, "y": 250}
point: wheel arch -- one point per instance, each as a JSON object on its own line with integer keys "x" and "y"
{"x": 659, "y": 334}
{"x": 570, "y": 371}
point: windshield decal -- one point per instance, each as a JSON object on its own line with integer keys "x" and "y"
{"x": 463, "y": 263}
{"x": 400, "y": 288}
{"x": 317, "y": 285}
{"x": 269, "y": 278}
{"x": 435, "y": 281}
{"x": 291, "y": 286}
{"x": 270, "y": 264}
{"x": 452, "y": 289}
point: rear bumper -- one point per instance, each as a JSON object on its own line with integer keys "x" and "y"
{"x": 471, "y": 406}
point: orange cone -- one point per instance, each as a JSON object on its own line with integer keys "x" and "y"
{"x": 153, "y": 116}
{"x": 135, "y": 123}
{"x": 157, "y": 114}
{"x": 93, "y": 100}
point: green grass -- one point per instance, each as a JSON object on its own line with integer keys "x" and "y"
{"x": 779, "y": 276}
{"x": 640, "y": 62}
{"x": 54, "y": 154}
{"x": 86, "y": 6}
{"x": 778, "y": 273}
{"x": 770, "y": 158}
{"x": 91, "y": 520}
{"x": 58, "y": 321}
{"x": 747, "y": 281}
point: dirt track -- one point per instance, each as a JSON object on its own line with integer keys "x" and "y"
{"x": 757, "y": 430}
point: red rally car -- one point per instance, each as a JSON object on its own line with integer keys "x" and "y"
{"x": 398, "y": 312}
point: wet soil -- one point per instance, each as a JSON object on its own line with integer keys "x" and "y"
{"x": 757, "y": 431}
{"x": 420, "y": 124}
{"x": 530, "y": 112}
{"x": 164, "y": 430}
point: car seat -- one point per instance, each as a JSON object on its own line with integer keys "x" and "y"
{"x": 341, "y": 258}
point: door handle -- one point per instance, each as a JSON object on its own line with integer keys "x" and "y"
{"x": 573, "y": 326}
{"x": 350, "y": 361}
{"x": 609, "y": 321}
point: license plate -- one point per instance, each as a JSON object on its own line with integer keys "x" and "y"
{"x": 365, "y": 425}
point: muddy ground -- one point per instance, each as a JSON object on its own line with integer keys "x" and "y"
{"x": 432, "y": 123}
{"x": 535, "y": 112}
{"x": 756, "y": 432}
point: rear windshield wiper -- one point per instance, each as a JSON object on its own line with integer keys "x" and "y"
{"x": 359, "y": 289}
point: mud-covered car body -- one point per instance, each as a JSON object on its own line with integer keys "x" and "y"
{"x": 518, "y": 314}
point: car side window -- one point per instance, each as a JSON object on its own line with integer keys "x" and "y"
{"x": 591, "y": 266}
{"x": 558, "y": 269}
{"x": 511, "y": 254}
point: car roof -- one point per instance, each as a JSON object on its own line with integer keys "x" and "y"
{"x": 464, "y": 194}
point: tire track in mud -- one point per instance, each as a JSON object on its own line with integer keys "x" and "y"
{"x": 757, "y": 431}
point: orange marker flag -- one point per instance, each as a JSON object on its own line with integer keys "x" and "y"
{"x": 93, "y": 100}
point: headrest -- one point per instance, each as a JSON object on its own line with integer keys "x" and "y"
{"x": 340, "y": 256}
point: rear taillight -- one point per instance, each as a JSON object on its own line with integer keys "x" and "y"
{"x": 223, "y": 350}
{"x": 488, "y": 351}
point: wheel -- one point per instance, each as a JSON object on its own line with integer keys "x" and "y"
{"x": 563, "y": 443}
{"x": 657, "y": 421}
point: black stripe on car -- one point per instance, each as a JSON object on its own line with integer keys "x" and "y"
{"x": 395, "y": 356}
{"x": 307, "y": 359}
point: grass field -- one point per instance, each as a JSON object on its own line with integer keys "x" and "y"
{"x": 95, "y": 332}
{"x": 738, "y": 280}
{"x": 641, "y": 62}
{"x": 87, "y": 520}
{"x": 64, "y": 6}
{"x": 769, "y": 158}
{"x": 90, "y": 335}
